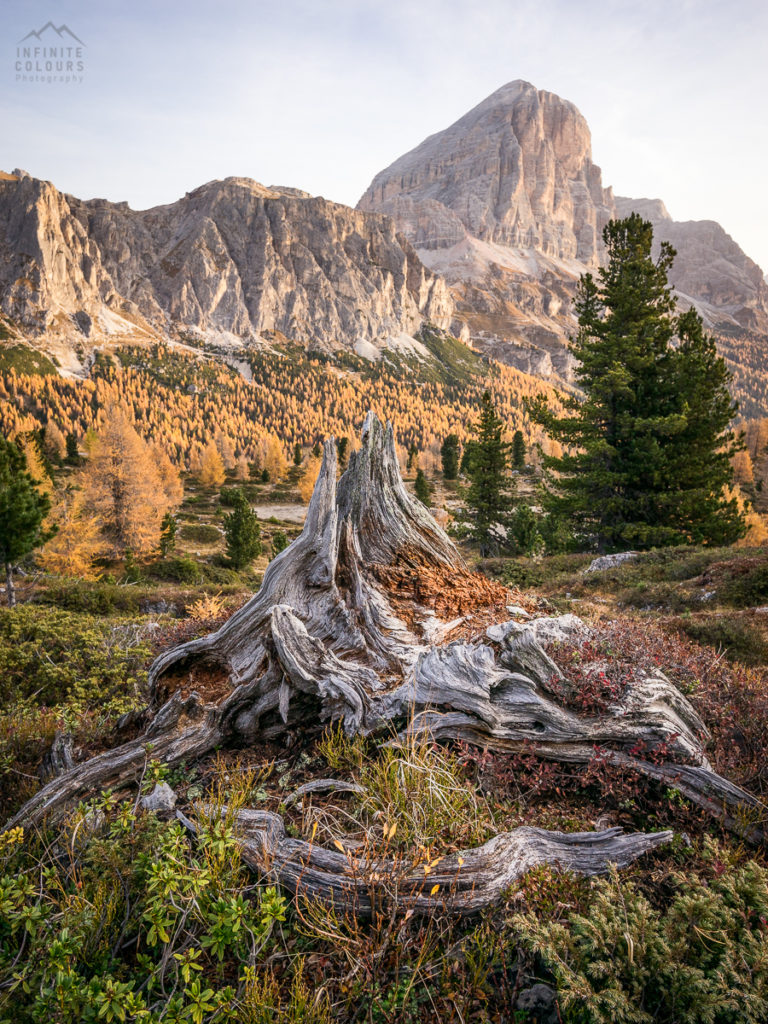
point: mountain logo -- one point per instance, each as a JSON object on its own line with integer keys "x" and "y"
{"x": 50, "y": 54}
{"x": 62, "y": 32}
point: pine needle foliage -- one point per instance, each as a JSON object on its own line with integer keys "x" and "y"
{"x": 649, "y": 448}
{"x": 704, "y": 960}
{"x": 488, "y": 499}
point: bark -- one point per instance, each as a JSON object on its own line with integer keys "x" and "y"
{"x": 10, "y": 589}
{"x": 354, "y": 624}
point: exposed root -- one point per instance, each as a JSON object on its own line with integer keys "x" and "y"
{"x": 356, "y": 622}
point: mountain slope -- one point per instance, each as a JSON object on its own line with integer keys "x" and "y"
{"x": 230, "y": 262}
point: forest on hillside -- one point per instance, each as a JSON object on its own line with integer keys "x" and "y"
{"x": 180, "y": 400}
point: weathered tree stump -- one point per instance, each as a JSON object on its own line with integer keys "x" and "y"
{"x": 353, "y": 623}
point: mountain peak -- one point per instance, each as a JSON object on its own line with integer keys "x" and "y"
{"x": 516, "y": 170}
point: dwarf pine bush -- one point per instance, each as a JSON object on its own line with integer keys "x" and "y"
{"x": 703, "y": 960}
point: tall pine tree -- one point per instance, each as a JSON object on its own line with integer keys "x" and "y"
{"x": 649, "y": 444}
{"x": 488, "y": 498}
{"x": 242, "y": 531}
{"x": 449, "y": 454}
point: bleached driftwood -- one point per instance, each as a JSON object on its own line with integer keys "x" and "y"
{"x": 339, "y": 632}
{"x": 459, "y": 882}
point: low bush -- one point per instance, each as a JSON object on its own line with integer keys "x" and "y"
{"x": 200, "y": 533}
{"x": 129, "y": 882}
{"x": 47, "y": 654}
{"x": 178, "y": 570}
{"x": 92, "y": 598}
{"x": 747, "y": 588}
{"x": 703, "y": 959}
{"x": 61, "y": 670}
{"x": 736, "y": 636}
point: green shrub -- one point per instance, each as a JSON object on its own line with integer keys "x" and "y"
{"x": 747, "y": 589}
{"x": 229, "y": 497}
{"x": 279, "y": 542}
{"x": 703, "y": 960}
{"x": 100, "y": 598}
{"x": 46, "y": 654}
{"x": 200, "y": 533}
{"x": 130, "y": 883}
{"x": 521, "y": 574}
{"x": 178, "y": 570}
{"x": 61, "y": 670}
{"x": 221, "y": 574}
{"x": 740, "y": 640}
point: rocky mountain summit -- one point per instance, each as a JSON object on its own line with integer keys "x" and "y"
{"x": 232, "y": 262}
{"x": 482, "y": 230}
{"x": 509, "y": 207}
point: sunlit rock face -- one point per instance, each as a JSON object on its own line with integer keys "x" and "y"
{"x": 508, "y": 206}
{"x": 231, "y": 261}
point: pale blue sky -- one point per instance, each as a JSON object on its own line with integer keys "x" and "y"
{"x": 323, "y": 95}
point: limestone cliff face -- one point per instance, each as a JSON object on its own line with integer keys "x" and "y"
{"x": 515, "y": 171}
{"x": 508, "y": 206}
{"x": 230, "y": 260}
{"x": 710, "y": 270}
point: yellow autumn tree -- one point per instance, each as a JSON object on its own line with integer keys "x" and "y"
{"x": 743, "y": 472}
{"x": 36, "y": 470}
{"x": 757, "y": 530}
{"x": 226, "y": 449}
{"x": 55, "y": 442}
{"x": 309, "y": 474}
{"x": 169, "y": 475}
{"x": 78, "y": 539}
{"x": 274, "y": 460}
{"x": 211, "y": 472}
{"x": 123, "y": 487}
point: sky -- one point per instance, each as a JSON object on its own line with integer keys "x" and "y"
{"x": 321, "y": 96}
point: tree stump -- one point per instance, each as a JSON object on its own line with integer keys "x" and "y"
{"x": 356, "y": 622}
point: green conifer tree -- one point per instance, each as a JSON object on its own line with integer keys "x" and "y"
{"x": 518, "y": 450}
{"x": 168, "y": 530}
{"x": 422, "y": 488}
{"x": 22, "y": 510}
{"x": 242, "y": 531}
{"x": 449, "y": 454}
{"x": 489, "y": 499}
{"x": 279, "y": 542}
{"x": 649, "y": 440}
{"x": 342, "y": 450}
{"x": 72, "y": 457}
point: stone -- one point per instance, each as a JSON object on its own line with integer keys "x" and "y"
{"x": 158, "y": 607}
{"x": 162, "y": 799}
{"x": 539, "y": 1003}
{"x": 547, "y": 629}
{"x": 610, "y": 561}
{"x": 559, "y": 628}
